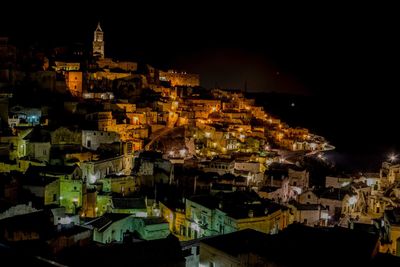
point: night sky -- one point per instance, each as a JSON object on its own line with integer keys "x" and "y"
{"x": 296, "y": 49}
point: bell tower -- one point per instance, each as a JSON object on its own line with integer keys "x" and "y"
{"x": 98, "y": 42}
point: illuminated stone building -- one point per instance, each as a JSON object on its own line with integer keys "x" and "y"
{"x": 67, "y": 192}
{"x": 44, "y": 190}
{"x": 38, "y": 144}
{"x": 108, "y": 63}
{"x": 180, "y": 78}
{"x": 16, "y": 145}
{"x": 93, "y": 139}
{"x": 391, "y": 226}
{"x": 22, "y": 116}
{"x": 101, "y": 120}
{"x": 230, "y": 212}
{"x": 66, "y": 66}
{"x": 174, "y": 213}
{"x": 334, "y": 199}
{"x": 97, "y": 169}
{"x": 121, "y": 184}
{"x": 73, "y": 80}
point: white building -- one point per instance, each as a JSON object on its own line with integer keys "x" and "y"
{"x": 98, "y": 169}
{"x": 298, "y": 178}
{"x": 93, "y": 139}
{"x": 220, "y": 166}
{"x": 311, "y": 214}
{"x": 21, "y": 116}
{"x": 253, "y": 167}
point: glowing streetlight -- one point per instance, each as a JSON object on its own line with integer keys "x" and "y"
{"x": 392, "y": 157}
{"x": 352, "y": 200}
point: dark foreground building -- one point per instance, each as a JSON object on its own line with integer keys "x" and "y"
{"x": 296, "y": 246}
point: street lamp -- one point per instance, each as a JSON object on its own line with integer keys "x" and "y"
{"x": 392, "y": 157}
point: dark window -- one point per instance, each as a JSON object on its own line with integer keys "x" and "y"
{"x": 89, "y": 143}
{"x": 54, "y": 197}
{"x": 308, "y": 196}
{"x": 182, "y": 230}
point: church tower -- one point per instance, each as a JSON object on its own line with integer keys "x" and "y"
{"x": 98, "y": 42}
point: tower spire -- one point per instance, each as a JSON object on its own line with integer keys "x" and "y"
{"x": 98, "y": 27}
{"x": 98, "y": 42}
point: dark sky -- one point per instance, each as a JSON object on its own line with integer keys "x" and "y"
{"x": 333, "y": 50}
